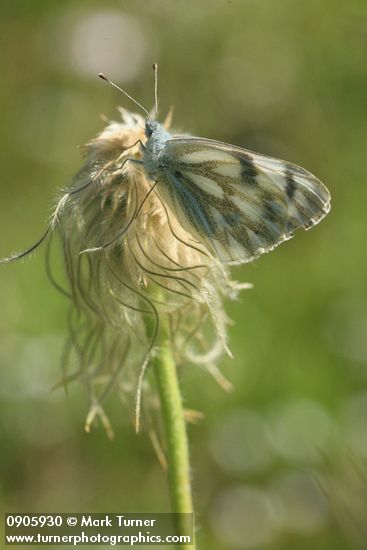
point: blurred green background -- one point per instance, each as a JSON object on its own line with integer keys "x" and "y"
{"x": 281, "y": 462}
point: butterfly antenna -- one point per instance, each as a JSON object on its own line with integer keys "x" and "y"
{"x": 155, "y": 69}
{"x": 104, "y": 77}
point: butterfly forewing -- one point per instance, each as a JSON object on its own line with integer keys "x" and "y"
{"x": 239, "y": 203}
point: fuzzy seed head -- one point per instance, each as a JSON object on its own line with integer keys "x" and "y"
{"x": 129, "y": 264}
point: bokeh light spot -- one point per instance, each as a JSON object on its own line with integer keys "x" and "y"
{"x": 240, "y": 443}
{"x": 109, "y": 41}
{"x": 301, "y": 431}
{"x": 299, "y": 503}
{"x": 354, "y": 417}
{"x": 242, "y": 517}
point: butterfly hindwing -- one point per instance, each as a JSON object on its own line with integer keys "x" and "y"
{"x": 240, "y": 203}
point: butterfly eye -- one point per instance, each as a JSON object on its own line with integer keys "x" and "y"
{"x": 150, "y": 126}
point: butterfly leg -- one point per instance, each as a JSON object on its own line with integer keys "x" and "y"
{"x": 130, "y": 159}
{"x": 145, "y": 198}
{"x": 138, "y": 141}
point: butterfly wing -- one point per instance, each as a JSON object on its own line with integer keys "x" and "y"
{"x": 239, "y": 203}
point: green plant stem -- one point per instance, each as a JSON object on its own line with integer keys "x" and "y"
{"x": 175, "y": 427}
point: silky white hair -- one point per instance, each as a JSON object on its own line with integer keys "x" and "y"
{"x": 128, "y": 263}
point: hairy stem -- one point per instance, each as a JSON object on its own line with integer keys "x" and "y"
{"x": 175, "y": 427}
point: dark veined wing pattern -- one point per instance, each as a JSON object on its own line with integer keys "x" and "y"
{"x": 239, "y": 203}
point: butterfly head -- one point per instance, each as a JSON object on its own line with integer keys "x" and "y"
{"x": 150, "y": 127}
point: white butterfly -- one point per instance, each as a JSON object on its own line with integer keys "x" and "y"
{"x": 238, "y": 203}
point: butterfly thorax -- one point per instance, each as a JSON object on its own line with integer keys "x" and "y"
{"x": 157, "y": 138}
